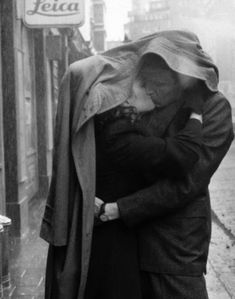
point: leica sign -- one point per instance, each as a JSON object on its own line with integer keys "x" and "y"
{"x": 53, "y": 13}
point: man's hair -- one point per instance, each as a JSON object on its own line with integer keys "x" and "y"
{"x": 149, "y": 67}
{"x": 151, "y": 63}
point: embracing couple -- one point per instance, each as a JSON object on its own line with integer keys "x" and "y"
{"x": 140, "y": 131}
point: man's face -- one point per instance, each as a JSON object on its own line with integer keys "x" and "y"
{"x": 162, "y": 86}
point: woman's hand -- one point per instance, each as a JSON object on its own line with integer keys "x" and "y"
{"x": 111, "y": 212}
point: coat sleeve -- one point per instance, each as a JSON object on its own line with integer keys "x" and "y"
{"x": 55, "y": 221}
{"x": 165, "y": 195}
{"x": 131, "y": 146}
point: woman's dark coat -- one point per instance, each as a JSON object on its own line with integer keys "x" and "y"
{"x": 97, "y": 84}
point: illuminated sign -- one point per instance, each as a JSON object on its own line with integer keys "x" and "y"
{"x": 53, "y": 13}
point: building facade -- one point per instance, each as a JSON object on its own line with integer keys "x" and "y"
{"x": 213, "y": 21}
{"x": 147, "y": 17}
{"x": 97, "y": 25}
{"x": 34, "y": 61}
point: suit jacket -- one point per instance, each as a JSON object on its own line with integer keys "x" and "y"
{"x": 174, "y": 218}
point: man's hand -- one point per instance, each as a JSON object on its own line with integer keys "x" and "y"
{"x": 98, "y": 203}
{"x": 111, "y": 212}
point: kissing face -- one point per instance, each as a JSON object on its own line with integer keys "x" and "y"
{"x": 162, "y": 86}
{"x": 139, "y": 98}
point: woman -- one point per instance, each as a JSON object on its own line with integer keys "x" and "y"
{"x": 129, "y": 158}
{"x": 86, "y": 91}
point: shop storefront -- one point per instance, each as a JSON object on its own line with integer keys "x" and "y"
{"x": 34, "y": 58}
{"x": 19, "y": 116}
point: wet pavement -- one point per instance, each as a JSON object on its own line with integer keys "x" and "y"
{"x": 222, "y": 248}
{"x": 28, "y": 260}
{"x": 28, "y": 255}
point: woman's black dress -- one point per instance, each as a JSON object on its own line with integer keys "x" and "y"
{"x": 114, "y": 269}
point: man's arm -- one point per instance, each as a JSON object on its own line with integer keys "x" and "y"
{"x": 164, "y": 196}
{"x": 131, "y": 146}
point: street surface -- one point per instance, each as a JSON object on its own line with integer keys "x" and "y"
{"x": 28, "y": 256}
{"x": 221, "y": 276}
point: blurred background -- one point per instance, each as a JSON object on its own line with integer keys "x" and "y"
{"x": 33, "y": 58}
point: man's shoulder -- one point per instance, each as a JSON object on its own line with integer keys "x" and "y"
{"x": 217, "y": 105}
{"x": 218, "y": 99}
{"x": 217, "y": 120}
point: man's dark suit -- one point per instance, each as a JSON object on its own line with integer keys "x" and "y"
{"x": 174, "y": 218}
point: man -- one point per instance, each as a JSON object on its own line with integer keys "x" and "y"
{"x": 173, "y": 217}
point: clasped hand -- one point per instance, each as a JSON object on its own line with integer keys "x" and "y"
{"x": 111, "y": 211}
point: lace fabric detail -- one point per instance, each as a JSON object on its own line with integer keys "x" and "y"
{"x": 121, "y": 112}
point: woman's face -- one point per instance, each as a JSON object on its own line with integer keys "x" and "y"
{"x": 139, "y": 91}
{"x": 139, "y": 98}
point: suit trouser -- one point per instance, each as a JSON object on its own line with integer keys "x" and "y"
{"x": 163, "y": 286}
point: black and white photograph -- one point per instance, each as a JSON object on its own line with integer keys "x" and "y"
{"x": 117, "y": 151}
